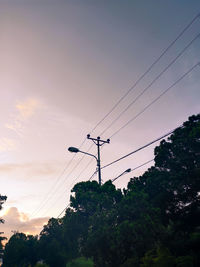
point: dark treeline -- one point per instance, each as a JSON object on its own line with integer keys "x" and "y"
{"x": 2, "y": 200}
{"x": 154, "y": 222}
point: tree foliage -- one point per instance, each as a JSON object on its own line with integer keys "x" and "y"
{"x": 80, "y": 262}
{"x": 21, "y": 251}
{"x": 2, "y": 200}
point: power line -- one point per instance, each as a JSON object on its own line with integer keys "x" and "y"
{"x": 152, "y": 82}
{"x": 142, "y": 165}
{"x": 149, "y": 69}
{"x": 155, "y": 100}
{"x": 63, "y": 210}
{"x": 130, "y": 89}
{"x": 135, "y": 151}
{"x": 53, "y": 188}
{"x": 140, "y": 148}
{"x": 81, "y": 172}
{"x": 89, "y": 163}
{"x": 95, "y": 172}
{"x": 151, "y": 103}
{"x": 69, "y": 204}
{"x": 113, "y": 180}
{"x": 78, "y": 163}
{"x": 92, "y": 175}
{"x": 72, "y": 182}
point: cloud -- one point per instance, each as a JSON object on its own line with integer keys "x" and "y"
{"x": 7, "y": 144}
{"x": 25, "y": 110}
{"x": 33, "y": 169}
{"x": 19, "y": 221}
{"x": 14, "y": 201}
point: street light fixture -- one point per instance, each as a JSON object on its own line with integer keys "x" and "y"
{"x": 76, "y": 150}
{"x": 128, "y": 170}
{"x": 73, "y": 149}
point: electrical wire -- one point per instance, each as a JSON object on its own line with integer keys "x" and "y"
{"x": 91, "y": 177}
{"x": 152, "y": 82}
{"x": 140, "y": 148}
{"x": 53, "y": 187}
{"x": 129, "y": 154}
{"x": 148, "y": 70}
{"x": 135, "y": 84}
{"x": 89, "y": 163}
{"x": 151, "y": 103}
{"x": 63, "y": 210}
{"x": 58, "y": 179}
{"x": 155, "y": 100}
{"x": 113, "y": 180}
{"x": 60, "y": 195}
{"x": 46, "y": 198}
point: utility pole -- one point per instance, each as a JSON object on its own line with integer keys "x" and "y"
{"x": 98, "y": 142}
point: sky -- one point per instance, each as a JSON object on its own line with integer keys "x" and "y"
{"x": 64, "y": 65}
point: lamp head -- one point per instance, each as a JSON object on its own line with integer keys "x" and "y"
{"x": 73, "y": 149}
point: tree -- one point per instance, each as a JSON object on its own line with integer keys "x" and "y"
{"x": 20, "y": 251}
{"x": 158, "y": 212}
{"x": 125, "y": 232}
{"x": 52, "y": 244}
{"x": 2, "y": 200}
{"x": 90, "y": 197}
{"x": 90, "y": 201}
{"x": 173, "y": 186}
{"x": 1, "y": 244}
{"x": 80, "y": 262}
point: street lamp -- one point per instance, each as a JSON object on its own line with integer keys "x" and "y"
{"x": 73, "y": 149}
{"x": 128, "y": 170}
{"x": 76, "y": 150}
{"x": 98, "y": 142}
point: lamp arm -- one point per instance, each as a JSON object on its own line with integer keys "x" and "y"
{"x": 89, "y": 154}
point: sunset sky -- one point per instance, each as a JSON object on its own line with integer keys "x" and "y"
{"x": 63, "y": 65}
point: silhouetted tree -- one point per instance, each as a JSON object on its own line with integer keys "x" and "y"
{"x": 173, "y": 186}
{"x": 52, "y": 244}
{"x": 21, "y": 251}
{"x": 2, "y": 200}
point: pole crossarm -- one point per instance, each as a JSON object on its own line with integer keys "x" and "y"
{"x": 98, "y": 142}
{"x": 98, "y": 139}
